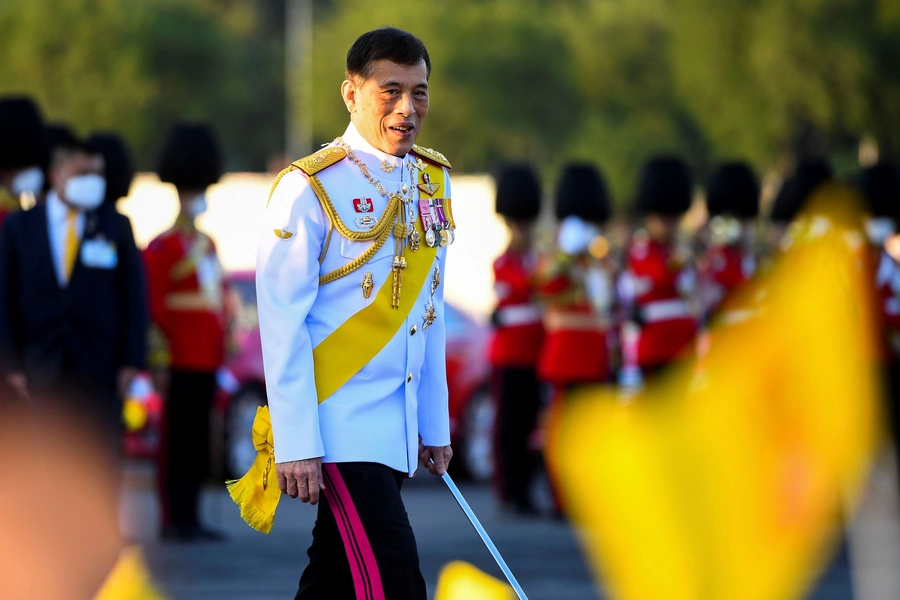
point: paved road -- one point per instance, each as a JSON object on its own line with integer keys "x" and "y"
{"x": 251, "y": 566}
{"x": 543, "y": 553}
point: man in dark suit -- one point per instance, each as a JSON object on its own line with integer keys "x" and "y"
{"x": 73, "y": 309}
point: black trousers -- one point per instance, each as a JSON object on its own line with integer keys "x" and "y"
{"x": 519, "y": 395}
{"x": 363, "y": 546}
{"x": 185, "y": 459}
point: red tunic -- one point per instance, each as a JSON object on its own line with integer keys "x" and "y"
{"x": 651, "y": 283}
{"x": 720, "y": 271}
{"x": 186, "y": 290}
{"x": 519, "y": 331}
{"x": 575, "y": 345}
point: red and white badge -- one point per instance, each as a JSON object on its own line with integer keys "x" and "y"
{"x": 363, "y": 205}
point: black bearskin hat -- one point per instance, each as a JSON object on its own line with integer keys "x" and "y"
{"x": 880, "y": 185}
{"x": 518, "y": 193}
{"x": 796, "y": 190}
{"x": 191, "y": 158}
{"x": 665, "y": 187}
{"x": 118, "y": 170}
{"x": 733, "y": 190}
{"x": 581, "y": 192}
{"x": 21, "y": 134}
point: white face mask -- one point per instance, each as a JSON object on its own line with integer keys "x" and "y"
{"x": 879, "y": 229}
{"x": 30, "y": 180}
{"x": 575, "y": 235}
{"x": 85, "y": 192}
{"x": 196, "y": 206}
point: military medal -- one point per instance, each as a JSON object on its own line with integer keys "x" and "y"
{"x": 429, "y": 317}
{"x": 441, "y": 218}
{"x": 387, "y": 167}
{"x": 435, "y": 279}
{"x": 428, "y": 187}
{"x": 367, "y": 285}
{"x": 428, "y": 222}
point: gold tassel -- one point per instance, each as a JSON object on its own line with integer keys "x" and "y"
{"x": 257, "y": 492}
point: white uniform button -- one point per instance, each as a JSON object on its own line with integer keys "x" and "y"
{"x": 409, "y": 378}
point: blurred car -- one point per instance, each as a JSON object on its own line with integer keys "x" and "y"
{"x": 242, "y": 389}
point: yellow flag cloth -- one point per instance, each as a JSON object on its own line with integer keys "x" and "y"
{"x": 257, "y": 492}
{"x": 71, "y": 248}
{"x": 129, "y": 579}
{"x": 462, "y": 581}
{"x": 730, "y": 480}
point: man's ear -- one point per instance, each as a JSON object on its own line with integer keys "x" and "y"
{"x": 348, "y": 93}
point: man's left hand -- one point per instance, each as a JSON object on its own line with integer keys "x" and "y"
{"x": 441, "y": 456}
{"x": 124, "y": 379}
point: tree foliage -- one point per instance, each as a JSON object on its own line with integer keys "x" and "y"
{"x": 611, "y": 81}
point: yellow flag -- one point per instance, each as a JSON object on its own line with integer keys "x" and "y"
{"x": 462, "y": 581}
{"x": 728, "y": 481}
{"x": 129, "y": 580}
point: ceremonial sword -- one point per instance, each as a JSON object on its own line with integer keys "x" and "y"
{"x": 484, "y": 536}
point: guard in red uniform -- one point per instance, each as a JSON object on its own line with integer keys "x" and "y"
{"x": 658, "y": 276}
{"x": 186, "y": 302}
{"x": 575, "y": 284}
{"x": 516, "y": 341}
{"x": 22, "y": 152}
{"x": 732, "y": 202}
{"x": 880, "y": 185}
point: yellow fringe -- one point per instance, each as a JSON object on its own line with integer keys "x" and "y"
{"x": 257, "y": 492}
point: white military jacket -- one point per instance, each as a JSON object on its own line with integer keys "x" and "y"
{"x": 379, "y": 414}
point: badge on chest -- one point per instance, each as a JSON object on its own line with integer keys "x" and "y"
{"x": 99, "y": 253}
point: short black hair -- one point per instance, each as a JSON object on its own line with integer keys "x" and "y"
{"x": 386, "y": 43}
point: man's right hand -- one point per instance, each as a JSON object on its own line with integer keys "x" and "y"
{"x": 301, "y": 478}
{"x": 19, "y": 384}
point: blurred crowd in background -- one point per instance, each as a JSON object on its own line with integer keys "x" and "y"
{"x": 605, "y": 129}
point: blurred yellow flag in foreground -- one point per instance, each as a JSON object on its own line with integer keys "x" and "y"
{"x": 462, "y": 581}
{"x": 129, "y": 580}
{"x": 728, "y": 480}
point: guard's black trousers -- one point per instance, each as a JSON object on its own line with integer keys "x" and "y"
{"x": 363, "y": 545}
{"x": 185, "y": 460}
{"x": 518, "y": 390}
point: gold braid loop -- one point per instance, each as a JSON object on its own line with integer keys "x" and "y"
{"x": 277, "y": 179}
{"x": 383, "y": 224}
{"x": 377, "y": 245}
{"x": 401, "y": 230}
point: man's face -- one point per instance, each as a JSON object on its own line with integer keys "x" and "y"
{"x": 69, "y": 164}
{"x": 388, "y": 108}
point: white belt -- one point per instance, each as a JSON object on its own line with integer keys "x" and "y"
{"x": 665, "y": 310}
{"x": 518, "y": 315}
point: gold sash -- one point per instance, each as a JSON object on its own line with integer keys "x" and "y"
{"x": 354, "y": 344}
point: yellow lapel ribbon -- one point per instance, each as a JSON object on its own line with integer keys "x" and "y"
{"x": 257, "y": 492}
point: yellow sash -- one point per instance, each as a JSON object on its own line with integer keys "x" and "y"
{"x": 354, "y": 344}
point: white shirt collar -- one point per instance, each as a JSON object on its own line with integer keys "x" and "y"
{"x": 374, "y": 159}
{"x": 56, "y": 208}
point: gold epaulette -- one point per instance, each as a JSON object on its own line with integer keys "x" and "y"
{"x": 312, "y": 164}
{"x": 432, "y": 156}
{"x": 321, "y": 160}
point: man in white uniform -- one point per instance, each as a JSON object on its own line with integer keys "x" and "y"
{"x": 351, "y": 316}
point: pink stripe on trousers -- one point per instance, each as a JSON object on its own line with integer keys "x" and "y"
{"x": 363, "y": 567}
